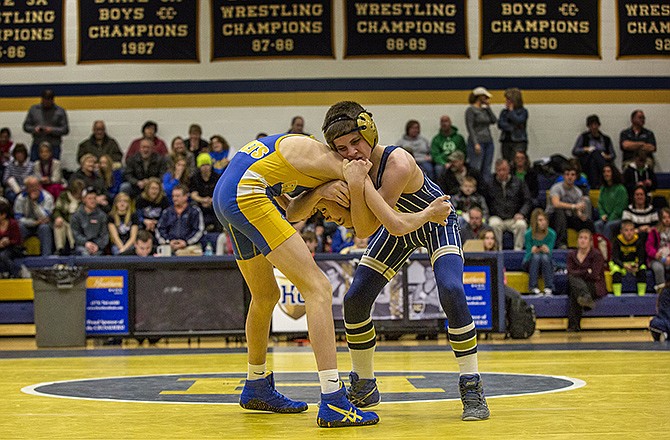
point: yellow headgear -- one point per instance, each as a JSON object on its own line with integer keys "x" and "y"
{"x": 364, "y": 125}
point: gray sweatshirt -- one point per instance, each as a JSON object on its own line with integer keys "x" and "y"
{"x": 477, "y": 121}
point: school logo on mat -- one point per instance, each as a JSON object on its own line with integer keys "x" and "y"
{"x": 225, "y": 388}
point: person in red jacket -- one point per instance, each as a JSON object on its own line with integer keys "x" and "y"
{"x": 586, "y": 278}
{"x": 10, "y": 241}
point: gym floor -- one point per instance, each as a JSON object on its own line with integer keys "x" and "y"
{"x": 556, "y": 385}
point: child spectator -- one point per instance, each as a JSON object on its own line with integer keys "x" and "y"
{"x": 586, "y": 278}
{"x": 123, "y": 224}
{"x": 658, "y": 248}
{"x": 151, "y": 204}
{"x": 540, "y": 240}
{"x": 111, "y": 177}
{"x": 48, "y": 170}
{"x": 467, "y": 198}
{"x": 628, "y": 257}
{"x": 66, "y": 205}
{"x": 309, "y": 237}
{"x": 10, "y": 242}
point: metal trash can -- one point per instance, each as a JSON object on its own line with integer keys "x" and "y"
{"x": 60, "y": 306}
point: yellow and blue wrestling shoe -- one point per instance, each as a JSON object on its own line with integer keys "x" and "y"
{"x": 261, "y": 395}
{"x": 335, "y": 411}
{"x": 472, "y": 396}
{"x": 363, "y": 392}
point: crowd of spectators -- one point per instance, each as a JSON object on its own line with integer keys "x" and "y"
{"x": 113, "y": 201}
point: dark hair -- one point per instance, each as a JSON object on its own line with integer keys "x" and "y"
{"x": 19, "y": 148}
{"x": 409, "y": 125}
{"x": 635, "y": 112}
{"x": 340, "y": 119}
{"x": 5, "y": 208}
{"x": 221, "y": 139}
{"x": 6, "y": 130}
{"x": 150, "y": 124}
{"x": 570, "y": 166}
{"x": 592, "y": 119}
{"x": 144, "y": 235}
{"x": 616, "y": 175}
{"x": 48, "y": 94}
{"x": 195, "y": 127}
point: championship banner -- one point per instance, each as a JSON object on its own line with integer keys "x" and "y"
{"x": 31, "y": 32}
{"x": 107, "y": 302}
{"x": 550, "y": 28}
{"x": 417, "y": 28}
{"x": 643, "y": 28}
{"x": 147, "y": 30}
{"x": 272, "y": 29}
{"x": 424, "y": 301}
{"x": 290, "y": 315}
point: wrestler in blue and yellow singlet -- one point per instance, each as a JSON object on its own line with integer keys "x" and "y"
{"x": 243, "y": 196}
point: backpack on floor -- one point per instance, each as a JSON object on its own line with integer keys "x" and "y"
{"x": 519, "y": 317}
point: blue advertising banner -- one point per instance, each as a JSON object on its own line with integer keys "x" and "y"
{"x": 424, "y": 301}
{"x": 107, "y": 302}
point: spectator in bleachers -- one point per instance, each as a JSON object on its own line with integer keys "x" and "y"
{"x": 309, "y": 237}
{"x": 140, "y": 167}
{"x": 359, "y": 247}
{"x": 123, "y": 224}
{"x": 176, "y": 174}
{"x": 6, "y": 145}
{"x": 46, "y": 121}
{"x": 636, "y": 138}
{"x": 195, "y": 143}
{"x": 32, "y": 209}
{"x": 11, "y": 248}
{"x": 144, "y": 245}
{"x": 341, "y": 238}
{"x": 89, "y": 225}
{"x": 658, "y": 248}
{"x": 489, "y": 240}
{"x": 219, "y": 150}
{"x": 112, "y": 177}
{"x": 181, "y": 225}
{"x": 568, "y": 207}
{"x": 509, "y": 204}
{"x": 88, "y": 172}
{"x": 149, "y": 130}
{"x": 641, "y": 213}
{"x": 48, "y": 170}
{"x": 612, "y": 201}
{"x": 418, "y": 146}
{"x": 454, "y": 172}
{"x": 581, "y": 182}
{"x": 67, "y": 204}
{"x": 540, "y": 240}
{"x": 445, "y": 142}
{"x": 202, "y": 189}
{"x": 593, "y": 149}
{"x": 521, "y": 168}
{"x": 151, "y": 204}
{"x": 16, "y": 172}
{"x": 628, "y": 257}
{"x": 478, "y": 119}
{"x": 475, "y": 225}
{"x": 467, "y": 198}
{"x": 297, "y": 125}
{"x": 99, "y": 144}
{"x": 639, "y": 173}
{"x": 586, "y": 279}
{"x": 178, "y": 149}
{"x": 512, "y": 124}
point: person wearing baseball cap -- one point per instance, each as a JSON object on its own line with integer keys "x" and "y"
{"x": 478, "y": 119}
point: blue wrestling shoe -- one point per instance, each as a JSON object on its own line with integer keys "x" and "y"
{"x": 472, "y": 396}
{"x": 261, "y": 395}
{"x": 336, "y": 411}
{"x": 363, "y": 392}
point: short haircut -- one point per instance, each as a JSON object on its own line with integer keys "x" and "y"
{"x": 409, "y": 125}
{"x": 150, "y": 124}
{"x": 6, "y": 130}
{"x": 144, "y": 235}
{"x": 635, "y": 112}
{"x": 470, "y": 179}
{"x": 183, "y": 188}
{"x": 627, "y": 222}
